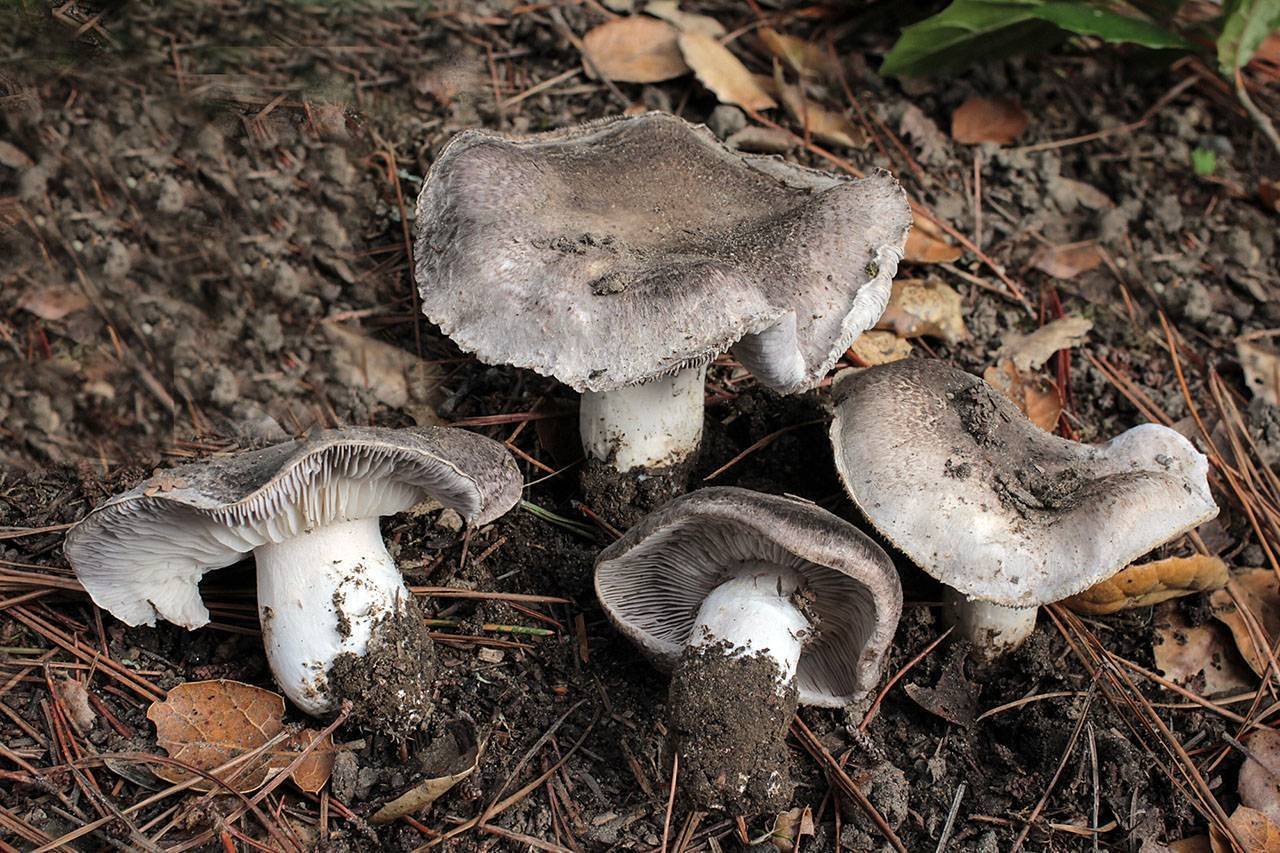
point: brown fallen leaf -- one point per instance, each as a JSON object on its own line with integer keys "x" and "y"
{"x": 722, "y": 72}
{"x": 1145, "y": 584}
{"x": 1085, "y": 194}
{"x": 1260, "y": 361}
{"x": 830, "y": 127}
{"x": 924, "y": 308}
{"x": 1259, "y": 783}
{"x": 1256, "y": 591}
{"x": 685, "y": 22}
{"x": 1269, "y": 192}
{"x": 14, "y": 157}
{"x": 634, "y": 49}
{"x": 395, "y": 377}
{"x": 454, "y": 757}
{"x": 998, "y": 120}
{"x": 878, "y": 347}
{"x": 1191, "y": 844}
{"x": 1201, "y": 657}
{"x": 954, "y": 698}
{"x": 789, "y": 827}
{"x": 763, "y": 140}
{"x": 1036, "y": 395}
{"x": 208, "y": 723}
{"x": 1256, "y": 832}
{"x": 1068, "y": 261}
{"x": 75, "y": 697}
{"x": 53, "y": 302}
{"x": 803, "y": 57}
{"x": 923, "y": 249}
{"x": 1030, "y": 352}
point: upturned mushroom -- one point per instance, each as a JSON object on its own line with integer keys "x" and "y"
{"x": 756, "y": 603}
{"x": 621, "y": 256}
{"x": 1008, "y": 516}
{"x": 337, "y": 618}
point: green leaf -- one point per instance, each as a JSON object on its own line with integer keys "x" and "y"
{"x": 1204, "y": 161}
{"x": 1245, "y": 24}
{"x": 1087, "y": 19}
{"x": 966, "y": 31}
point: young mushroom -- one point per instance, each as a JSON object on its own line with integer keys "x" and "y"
{"x": 1008, "y": 516}
{"x": 756, "y": 603}
{"x": 621, "y": 256}
{"x": 337, "y": 618}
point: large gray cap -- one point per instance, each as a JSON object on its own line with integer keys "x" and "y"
{"x": 654, "y": 579}
{"x": 142, "y": 553}
{"x": 953, "y": 474}
{"x": 615, "y": 252}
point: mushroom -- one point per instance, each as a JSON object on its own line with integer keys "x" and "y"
{"x": 337, "y": 618}
{"x": 621, "y": 256}
{"x": 755, "y": 602}
{"x": 1008, "y": 516}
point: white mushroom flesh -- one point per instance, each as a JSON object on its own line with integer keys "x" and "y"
{"x": 653, "y": 425}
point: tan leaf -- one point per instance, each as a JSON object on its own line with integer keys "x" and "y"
{"x": 1030, "y": 352}
{"x": 1256, "y": 833}
{"x": 685, "y": 22}
{"x": 53, "y": 302}
{"x": 789, "y": 827}
{"x": 997, "y": 120}
{"x": 450, "y": 766}
{"x": 208, "y": 723}
{"x": 14, "y": 157}
{"x": 924, "y": 307}
{"x": 722, "y": 72}
{"x": 1192, "y": 844}
{"x": 1064, "y": 262}
{"x": 830, "y": 127}
{"x": 1037, "y": 396}
{"x": 635, "y": 49}
{"x": 1261, "y": 363}
{"x": 1145, "y": 584}
{"x": 763, "y": 140}
{"x": 1256, "y": 590}
{"x": 923, "y": 249}
{"x": 1086, "y": 194}
{"x": 872, "y": 348}
{"x": 75, "y": 697}
{"x": 1259, "y": 785}
{"x": 805, "y": 58}
{"x": 395, "y": 377}
{"x": 1187, "y": 653}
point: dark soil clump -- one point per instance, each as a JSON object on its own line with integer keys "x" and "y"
{"x": 728, "y": 725}
{"x": 390, "y": 685}
{"x": 624, "y": 497}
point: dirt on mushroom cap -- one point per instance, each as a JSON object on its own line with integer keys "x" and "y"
{"x": 729, "y": 725}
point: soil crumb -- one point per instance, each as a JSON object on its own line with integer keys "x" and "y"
{"x": 980, "y": 412}
{"x": 390, "y": 685}
{"x": 1028, "y": 489}
{"x": 729, "y": 726}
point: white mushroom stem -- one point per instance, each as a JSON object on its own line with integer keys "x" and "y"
{"x": 992, "y": 629}
{"x": 320, "y": 594}
{"x": 754, "y": 613}
{"x": 654, "y": 425}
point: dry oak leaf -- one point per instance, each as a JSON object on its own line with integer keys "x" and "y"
{"x": 997, "y": 120}
{"x": 830, "y": 127}
{"x": 1255, "y": 831}
{"x": 924, "y": 307}
{"x": 635, "y": 49}
{"x": 1037, "y": 396}
{"x": 805, "y": 58}
{"x": 878, "y": 347}
{"x": 1145, "y": 584}
{"x": 1259, "y": 784}
{"x": 393, "y": 376}
{"x": 451, "y": 759}
{"x": 685, "y": 22}
{"x": 208, "y": 723}
{"x": 1067, "y": 261}
{"x": 1256, "y": 590}
{"x": 1187, "y": 654}
{"x": 926, "y": 244}
{"x": 1260, "y": 361}
{"x": 722, "y": 72}
{"x": 1030, "y": 352}
{"x": 53, "y": 302}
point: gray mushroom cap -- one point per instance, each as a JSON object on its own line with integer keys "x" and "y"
{"x": 619, "y": 251}
{"x": 142, "y": 553}
{"x": 954, "y": 475}
{"x": 653, "y": 580}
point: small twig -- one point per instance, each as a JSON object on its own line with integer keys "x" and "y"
{"x": 671, "y": 800}
{"x": 951, "y": 819}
